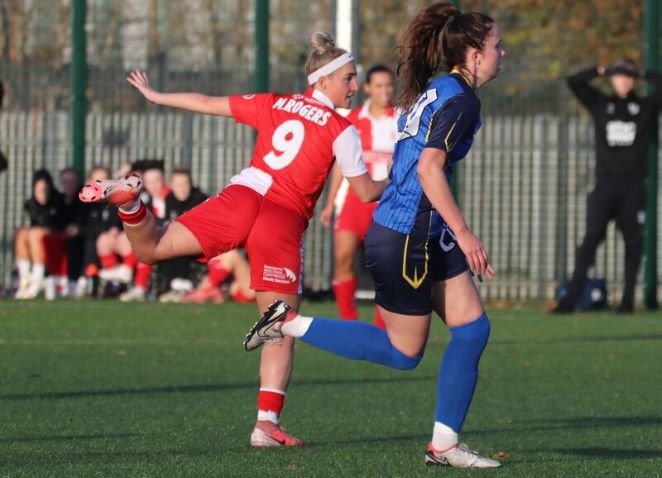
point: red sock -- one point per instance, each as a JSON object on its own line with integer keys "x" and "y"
{"x": 270, "y": 400}
{"x": 379, "y": 322}
{"x": 91, "y": 270}
{"x": 108, "y": 261}
{"x": 143, "y": 273}
{"x": 216, "y": 273}
{"x": 130, "y": 260}
{"x": 135, "y": 217}
{"x": 344, "y": 292}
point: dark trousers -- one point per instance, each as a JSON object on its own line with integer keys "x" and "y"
{"x": 75, "y": 257}
{"x": 623, "y": 200}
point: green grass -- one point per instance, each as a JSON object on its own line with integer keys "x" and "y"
{"x": 108, "y": 389}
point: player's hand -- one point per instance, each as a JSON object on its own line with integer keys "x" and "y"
{"x": 476, "y": 254}
{"x": 326, "y": 216}
{"x": 139, "y": 80}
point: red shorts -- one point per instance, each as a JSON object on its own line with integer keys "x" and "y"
{"x": 271, "y": 234}
{"x": 355, "y": 216}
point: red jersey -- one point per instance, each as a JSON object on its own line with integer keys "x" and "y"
{"x": 378, "y": 137}
{"x": 299, "y": 138}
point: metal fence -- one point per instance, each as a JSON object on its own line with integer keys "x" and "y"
{"x": 213, "y": 148}
{"x": 523, "y": 187}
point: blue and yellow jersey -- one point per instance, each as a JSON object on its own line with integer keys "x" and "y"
{"x": 446, "y": 116}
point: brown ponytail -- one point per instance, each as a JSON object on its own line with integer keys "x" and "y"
{"x": 437, "y": 40}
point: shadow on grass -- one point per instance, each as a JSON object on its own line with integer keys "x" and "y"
{"x": 581, "y": 339}
{"x": 609, "y": 453}
{"x": 10, "y": 440}
{"x": 573, "y": 423}
{"x": 201, "y": 388}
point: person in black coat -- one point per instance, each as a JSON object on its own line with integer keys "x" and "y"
{"x": 623, "y": 127}
{"x": 94, "y": 219}
{"x": 182, "y": 197}
{"x": 44, "y": 211}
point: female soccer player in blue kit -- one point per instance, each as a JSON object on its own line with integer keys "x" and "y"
{"x": 419, "y": 249}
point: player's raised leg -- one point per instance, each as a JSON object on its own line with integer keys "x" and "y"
{"x": 149, "y": 244}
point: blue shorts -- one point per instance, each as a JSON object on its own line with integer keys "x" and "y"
{"x": 404, "y": 267}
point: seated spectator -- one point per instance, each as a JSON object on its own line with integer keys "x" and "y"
{"x": 64, "y": 251}
{"x": 154, "y": 196}
{"x": 114, "y": 243}
{"x": 233, "y": 265}
{"x": 44, "y": 210}
{"x": 113, "y": 249}
{"x": 96, "y": 219}
{"x": 176, "y": 274}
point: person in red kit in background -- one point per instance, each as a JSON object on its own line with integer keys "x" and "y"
{"x": 376, "y": 121}
{"x": 132, "y": 270}
{"x": 230, "y": 264}
{"x": 154, "y": 195}
{"x": 267, "y": 206}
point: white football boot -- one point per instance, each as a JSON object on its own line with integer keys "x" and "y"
{"x": 459, "y": 456}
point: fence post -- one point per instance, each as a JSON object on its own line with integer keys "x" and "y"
{"x": 261, "y": 74}
{"x": 651, "y": 59}
{"x": 78, "y": 78}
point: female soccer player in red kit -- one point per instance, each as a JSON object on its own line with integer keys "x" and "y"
{"x": 267, "y": 206}
{"x": 376, "y": 122}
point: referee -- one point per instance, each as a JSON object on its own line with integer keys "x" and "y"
{"x": 623, "y": 128}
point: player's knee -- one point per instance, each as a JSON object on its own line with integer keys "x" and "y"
{"x": 344, "y": 257}
{"x": 404, "y": 362}
{"x": 146, "y": 257}
{"x": 474, "y": 334}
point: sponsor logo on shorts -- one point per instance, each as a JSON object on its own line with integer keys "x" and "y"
{"x": 447, "y": 241}
{"x": 279, "y": 275}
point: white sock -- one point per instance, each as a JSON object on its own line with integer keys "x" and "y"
{"x": 443, "y": 437}
{"x": 23, "y": 267}
{"x": 296, "y": 327}
{"x": 132, "y": 208}
{"x": 38, "y": 272}
{"x": 267, "y": 416}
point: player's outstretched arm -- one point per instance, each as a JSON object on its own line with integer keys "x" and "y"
{"x": 430, "y": 171}
{"x": 196, "y": 102}
{"x": 366, "y": 188}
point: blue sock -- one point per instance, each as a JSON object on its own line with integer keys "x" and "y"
{"x": 358, "y": 341}
{"x": 458, "y": 372}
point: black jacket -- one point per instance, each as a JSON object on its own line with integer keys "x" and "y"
{"x": 175, "y": 208}
{"x": 97, "y": 218}
{"x": 50, "y": 215}
{"x": 622, "y": 125}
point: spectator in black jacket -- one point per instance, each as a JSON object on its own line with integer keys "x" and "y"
{"x": 70, "y": 184}
{"x": 176, "y": 275}
{"x": 44, "y": 211}
{"x": 96, "y": 218}
{"x": 623, "y": 127}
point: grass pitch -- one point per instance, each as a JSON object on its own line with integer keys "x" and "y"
{"x": 109, "y": 389}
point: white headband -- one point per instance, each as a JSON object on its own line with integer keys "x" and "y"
{"x": 330, "y": 67}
